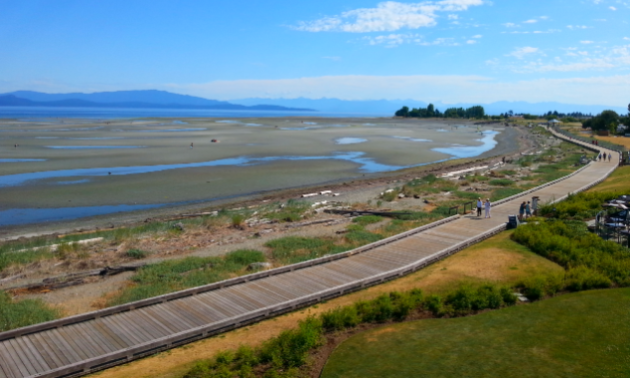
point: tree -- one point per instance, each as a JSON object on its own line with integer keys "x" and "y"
{"x": 430, "y": 110}
{"x": 403, "y": 112}
{"x": 606, "y": 120}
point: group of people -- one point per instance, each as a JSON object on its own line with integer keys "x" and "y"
{"x": 525, "y": 210}
{"x": 484, "y": 204}
{"x": 603, "y": 156}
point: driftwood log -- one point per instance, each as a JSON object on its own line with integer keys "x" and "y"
{"x": 71, "y": 279}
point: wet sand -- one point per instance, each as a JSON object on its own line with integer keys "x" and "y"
{"x": 395, "y": 143}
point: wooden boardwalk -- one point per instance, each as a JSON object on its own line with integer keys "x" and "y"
{"x": 85, "y": 343}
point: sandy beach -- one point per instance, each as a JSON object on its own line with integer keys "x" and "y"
{"x": 110, "y": 162}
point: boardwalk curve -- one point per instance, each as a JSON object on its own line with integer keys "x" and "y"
{"x": 81, "y": 344}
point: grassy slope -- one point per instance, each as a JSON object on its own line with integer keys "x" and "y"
{"x": 618, "y": 181}
{"x": 578, "y": 335}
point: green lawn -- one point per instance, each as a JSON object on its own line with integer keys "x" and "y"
{"x": 586, "y": 334}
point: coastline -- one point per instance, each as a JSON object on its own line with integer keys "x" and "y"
{"x": 508, "y": 144}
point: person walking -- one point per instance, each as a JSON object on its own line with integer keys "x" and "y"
{"x": 479, "y": 206}
{"x": 528, "y": 210}
{"x": 488, "y": 206}
{"x": 521, "y": 211}
{"x": 609, "y": 157}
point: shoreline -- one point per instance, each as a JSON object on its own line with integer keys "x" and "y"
{"x": 507, "y": 145}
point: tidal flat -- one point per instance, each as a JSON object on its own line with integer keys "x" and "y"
{"x": 97, "y": 163}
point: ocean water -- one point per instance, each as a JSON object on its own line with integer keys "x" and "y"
{"x": 52, "y": 114}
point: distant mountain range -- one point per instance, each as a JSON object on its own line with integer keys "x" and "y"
{"x": 388, "y": 107}
{"x": 154, "y": 99}
{"x": 128, "y": 99}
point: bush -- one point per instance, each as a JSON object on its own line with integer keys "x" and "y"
{"x": 501, "y": 182}
{"x": 237, "y": 220}
{"x": 290, "y": 349}
{"x": 137, "y": 254}
{"x": 583, "y": 278}
{"x": 245, "y": 257}
{"x": 434, "y": 304}
{"x": 367, "y": 219}
{"x": 569, "y": 244}
{"x": 16, "y": 314}
{"x": 340, "y": 318}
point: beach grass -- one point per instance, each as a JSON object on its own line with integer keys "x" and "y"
{"x": 16, "y": 314}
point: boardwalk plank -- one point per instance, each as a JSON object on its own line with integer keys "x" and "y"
{"x": 56, "y": 349}
{"x": 114, "y": 341}
{"x": 76, "y": 342}
{"x": 13, "y": 362}
{"x": 35, "y": 358}
{"x": 98, "y": 343}
{"x": 44, "y": 349}
{"x": 20, "y": 358}
{"x": 63, "y": 345}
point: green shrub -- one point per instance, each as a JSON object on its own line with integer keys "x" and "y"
{"x": 237, "y": 220}
{"x": 501, "y": 182}
{"x": 364, "y": 220}
{"x": 434, "y": 304}
{"x": 340, "y": 318}
{"x": 245, "y": 257}
{"x": 16, "y": 314}
{"x": 508, "y": 297}
{"x": 290, "y": 348}
{"x": 362, "y": 237}
{"x": 137, "y": 254}
{"x": 583, "y": 278}
{"x": 569, "y": 244}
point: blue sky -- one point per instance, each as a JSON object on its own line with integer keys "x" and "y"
{"x": 451, "y": 51}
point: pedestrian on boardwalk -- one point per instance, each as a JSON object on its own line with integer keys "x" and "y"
{"x": 528, "y": 210}
{"x": 609, "y": 157}
{"x": 191, "y": 145}
{"x": 488, "y": 206}
{"x": 521, "y": 211}
{"x": 599, "y": 157}
{"x": 479, "y": 206}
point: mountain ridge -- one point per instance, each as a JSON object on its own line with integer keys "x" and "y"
{"x": 388, "y": 107}
{"x": 151, "y": 99}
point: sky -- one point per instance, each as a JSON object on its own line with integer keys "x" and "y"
{"x": 449, "y": 51}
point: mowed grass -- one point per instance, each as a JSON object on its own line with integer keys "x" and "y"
{"x": 577, "y": 335}
{"x": 617, "y": 181}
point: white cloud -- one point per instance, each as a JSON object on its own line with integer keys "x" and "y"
{"x": 450, "y": 89}
{"x": 397, "y": 39}
{"x": 333, "y": 58}
{"x": 544, "y": 17}
{"x": 521, "y": 52}
{"x": 453, "y": 17}
{"x": 598, "y": 59}
{"x": 510, "y": 25}
{"x": 577, "y": 27}
{"x": 388, "y": 16}
{"x": 471, "y": 42}
{"x": 612, "y": 8}
{"x": 533, "y": 32}
{"x": 391, "y": 40}
{"x": 587, "y": 42}
{"x": 532, "y": 21}
{"x": 477, "y": 36}
{"x": 626, "y": 39}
